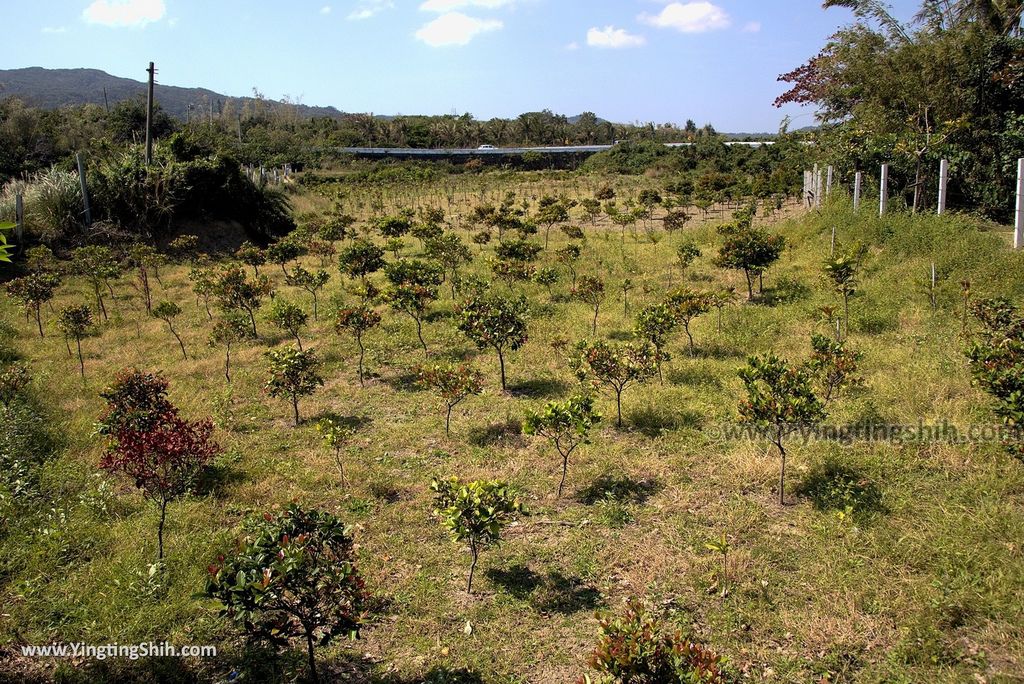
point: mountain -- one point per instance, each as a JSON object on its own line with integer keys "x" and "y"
{"x": 53, "y": 88}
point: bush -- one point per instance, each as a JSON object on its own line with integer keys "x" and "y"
{"x": 53, "y": 204}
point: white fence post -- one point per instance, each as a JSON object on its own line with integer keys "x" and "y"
{"x": 883, "y": 191}
{"x": 1018, "y": 231}
{"x": 943, "y": 182}
{"x": 828, "y": 183}
{"x": 858, "y": 180}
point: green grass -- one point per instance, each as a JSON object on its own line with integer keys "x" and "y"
{"x": 927, "y": 586}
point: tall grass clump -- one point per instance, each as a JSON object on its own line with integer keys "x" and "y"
{"x": 52, "y": 200}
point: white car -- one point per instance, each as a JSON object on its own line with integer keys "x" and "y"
{"x": 486, "y": 147}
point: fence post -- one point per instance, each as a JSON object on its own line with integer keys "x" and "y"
{"x": 1018, "y": 231}
{"x": 858, "y": 180}
{"x": 85, "y": 190}
{"x": 943, "y": 181}
{"x": 883, "y": 191}
{"x": 828, "y": 183}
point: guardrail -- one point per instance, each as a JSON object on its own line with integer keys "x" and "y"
{"x": 505, "y": 151}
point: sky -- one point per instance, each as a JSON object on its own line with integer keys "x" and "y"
{"x": 713, "y": 61}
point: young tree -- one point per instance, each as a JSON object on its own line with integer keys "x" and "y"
{"x": 162, "y": 453}
{"x": 358, "y": 321}
{"x": 288, "y": 317}
{"x": 393, "y": 226}
{"x": 780, "y": 400}
{"x": 335, "y": 434}
{"x": 202, "y": 287}
{"x": 14, "y": 378}
{"x": 451, "y": 253}
{"x": 34, "y": 290}
{"x": 282, "y": 253}
{"x": 184, "y": 248}
{"x": 496, "y": 322}
{"x": 720, "y": 300}
{"x": 654, "y": 323}
{"x": 75, "y": 322}
{"x": 167, "y": 312}
{"x": 99, "y": 265}
{"x": 686, "y": 305}
{"x": 475, "y": 512}
{"x": 613, "y": 366}
{"x": 675, "y": 220}
{"x": 293, "y": 577}
{"x": 251, "y": 255}
{"x": 228, "y": 330}
{"x": 686, "y": 254}
{"x": 550, "y": 211}
{"x": 235, "y": 292}
{"x": 546, "y": 276}
{"x": 750, "y": 250}
{"x": 997, "y": 363}
{"x": 590, "y": 291}
{"x": 842, "y": 271}
{"x": 293, "y": 374}
{"x": 454, "y": 384}
{"x": 309, "y": 281}
{"x": 360, "y": 259}
{"x": 413, "y": 288}
{"x": 144, "y": 259}
{"x": 568, "y": 256}
{"x": 834, "y": 366}
{"x": 565, "y": 424}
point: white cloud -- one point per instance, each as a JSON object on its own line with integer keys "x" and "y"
{"x": 572, "y": 46}
{"x": 326, "y": 9}
{"x": 611, "y": 37}
{"x": 54, "y": 29}
{"x": 370, "y": 8}
{"x": 691, "y": 17}
{"x": 118, "y": 13}
{"x": 450, "y": 5}
{"x": 455, "y": 28}
{"x": 752, "y": 27}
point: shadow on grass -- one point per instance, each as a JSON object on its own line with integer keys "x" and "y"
{"x": 693, "y": 376}
{"x": 718, "y": 352}
{"x": 352, "y": 423}
{"x": 507, "y": 432}
{"x": 404, "y": 381}
{"x": 833, "y": 486}
{"x": 621, "y": 488}
{"x": 550, "y": 593}
{"x": 436, "y": 675}
{"x": 654, "y": 421}
{"x": 548, "y": 388}
{"x": 621, "y": 335}
{"x": 785, "y": 291}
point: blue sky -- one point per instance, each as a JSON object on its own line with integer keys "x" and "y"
{"x": 626, "y": 60}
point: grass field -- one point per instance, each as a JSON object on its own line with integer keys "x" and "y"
{"x": 924, "y": 585}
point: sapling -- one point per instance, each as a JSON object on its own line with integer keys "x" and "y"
{"x": 34, "y": 290}
{"x": 294, "y": 576}
{"x": 475, "y": 512}
{"x": 451, "y": 254}
{"x": 14, "y": 378}
{"x": 614, "y": 367}
{"x": 358, "y": 321}
{"x": 234, "y": 292}
{"x": 75, "y": 322}
{"x": 335, "y": 434}
{"x": 311, "y": 282}
{"x": 654, "y": 323}
{"x": 288, "y": 317}
{"x": 720, "y": 300}
{"x": 413, "y": 288}
{"x": 590, "y": 290}
{"x": 568, "y": 256}
{"x": 99, "y": 265}
{"x": 565, "y": 424}
{"x": 833, "y": 365}
{"x": 780, "y": 400}
{"x": 144, "y": 259}
{"x": 282, "y": 253}
{"x": 202, "y": 287}
{"x": 546, "y": 277}
{"x": 454, "y": 384}
{"x": 293, "y": 373}
{"x": 228, "y": 330}
{"x": 842, "y": 271}
{"x": 251, "y": 255}
{"x": 686, "y": 305}
{"x": 750, "y": 250}
{"x": 495, "y": 322}
{"x": 360, "y": 259}
{"x": 721, "y": 545}
{"x": 686, "y": 253}
{"x": 167, "y": 312}
{"x": 147, "y": 441}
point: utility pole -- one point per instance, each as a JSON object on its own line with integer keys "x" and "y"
{"x": 149, "y": 115}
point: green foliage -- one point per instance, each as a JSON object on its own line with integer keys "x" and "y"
{"x": 294, "y": 576}
{"x": 293, "y": 373}
{"x": 282, "y": 253}
{"x": 288, "y": 317}
{"x": 358, "y": 321}
{"x": 614, "y": 367}
{"x": 833, "y": 486}
{"x": 14, "y": 378}
{"x": 251, "y": 255}
{"x": 496, "y": 322}
{"x": 360, "y": 259}
{"x": 686, "y": 253}
{"x": 235, "y": 292}
{"x": 636, "y": 648}
{"x": 335, "y": 433}
{"x": 565, "y": 424}
{"x": 392, "y": 226}
{"x": 590, "y": 291}
{"x": 685, "y": 305}
{"x": 750, "y": 250}
{"x": 834, "y": 366}
{"x": 230, "y": 329}
{"x": 52, "y": 203}
{"x": 33, "y": 290}
{"x": 475, "y": 512}
{"x": 780, "y": 400}
{"x": 997, "y": 363}
{"x": 519, "y": 251}
{"x": 454, "y": 383}
{"x": 654, "y": 323}
{"x": 5, "y": 248}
